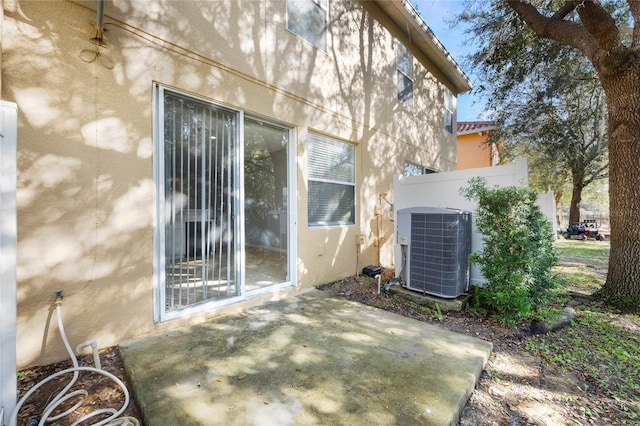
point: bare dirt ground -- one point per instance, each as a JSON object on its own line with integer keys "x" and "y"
{"x": 518, "y": 386}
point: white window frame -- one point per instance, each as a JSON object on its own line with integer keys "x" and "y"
{"x": 318, "y": 175}
{"x": 448, "y": 110}
{"x": 160, "y": 313}
{"x": 404, "y": 74}
{"x": 316, "y": 8}
{"x": 413, "y": 169}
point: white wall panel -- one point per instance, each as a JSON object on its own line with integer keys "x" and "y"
{"x": 8, "y": 138}
{"x": 443, "y": 190}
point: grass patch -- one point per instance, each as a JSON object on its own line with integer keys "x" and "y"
{"x": 606, "y": 352}
{"x": 582, "y": 265}
{"x": 602, "y": 344}
{"x": 593, "y": 252}
{"x": 580, "y": 278}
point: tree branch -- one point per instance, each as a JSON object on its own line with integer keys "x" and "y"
{"x": 567, "y": 8}
{"x": 556, "y": 28}
{"x": 600, "y": 24}
{"x": 597, "y": 174}
{"x": 597, "y": 34}
{"x": 634, "y": 7}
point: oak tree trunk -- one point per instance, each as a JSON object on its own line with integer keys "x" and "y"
{"x": 623, "y": 97}
{"x": 576, "y": 198}
{"x": 618, "y": 66}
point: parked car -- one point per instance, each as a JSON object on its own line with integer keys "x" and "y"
{"x": 588, "y": 228}
{"x": 592, "y": 229}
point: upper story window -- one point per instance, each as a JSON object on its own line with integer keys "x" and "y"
{"x": 404, "y": 66}
{"x": 332, "y": 181}
{"x": 308, "y": 19}
{"x": 412, "y": 169}
{"x": 448, "y": 110}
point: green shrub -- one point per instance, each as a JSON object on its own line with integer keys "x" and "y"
{"x": 518, "y": 251}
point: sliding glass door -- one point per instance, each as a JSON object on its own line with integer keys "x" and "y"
{"x": 265, "y": 194}
{"x": 222, "y": 229}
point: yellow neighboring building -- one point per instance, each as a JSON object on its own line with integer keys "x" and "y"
{"x": 473, "y": 151}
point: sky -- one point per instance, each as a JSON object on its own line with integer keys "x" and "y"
{"x": 437, "y": 14}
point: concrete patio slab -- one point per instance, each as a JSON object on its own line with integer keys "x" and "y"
{"x": 312, "y": 359}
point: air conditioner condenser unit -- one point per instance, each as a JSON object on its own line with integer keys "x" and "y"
{"x": 435, "y": 245}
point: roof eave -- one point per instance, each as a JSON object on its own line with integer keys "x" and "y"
{"x": 478, "y": 130}
{"x": 405, "y": 16}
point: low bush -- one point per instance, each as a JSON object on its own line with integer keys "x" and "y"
{"x": 518, "y": 251}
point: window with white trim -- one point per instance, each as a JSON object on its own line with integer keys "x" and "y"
{"x": 332, "y": 181}
{"x": 404, "y": 67}
{"x": 448, "y": 110}
{"x": 309, "y": 19}
{"x": 413, "y": 169}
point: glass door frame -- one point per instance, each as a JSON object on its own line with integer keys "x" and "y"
{"x": 161, "y": 314}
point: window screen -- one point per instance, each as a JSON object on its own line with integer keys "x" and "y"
{"x": 404, "y": 65}
{"x": 448, "y": 111}
{"x": 308, "y": 19}
{"x": 331, "y": 168}
{"x": 413, "y": 169}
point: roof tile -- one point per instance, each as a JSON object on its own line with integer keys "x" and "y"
{"x": 475, "y": 126}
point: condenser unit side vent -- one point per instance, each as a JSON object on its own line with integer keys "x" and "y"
{"x": 438, "y": 244}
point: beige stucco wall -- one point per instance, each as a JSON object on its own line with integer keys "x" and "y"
{"x": 473, "y": 151}
{"x": 85, "y": 181}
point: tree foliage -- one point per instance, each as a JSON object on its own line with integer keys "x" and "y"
{"x": 518, "y": 251}
{"x": 553, "y": 113}
{"x": 522, "y": 39}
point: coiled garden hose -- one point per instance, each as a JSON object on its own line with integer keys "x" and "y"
{"x": 112, "y": 420}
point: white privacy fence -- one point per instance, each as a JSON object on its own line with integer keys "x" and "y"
{"x": 443, "y": 190}
{"x": 8, "y": 137}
